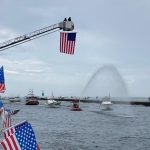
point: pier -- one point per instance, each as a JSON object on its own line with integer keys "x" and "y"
{"x": 144, "y": 103}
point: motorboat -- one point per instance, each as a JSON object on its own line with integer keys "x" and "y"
{"x": 31, "y": 99}
{"x": 53, "y": 103}
{"x": 76, "y": 106}
{"x": 106, "y": 103}
{"x": 14, "y": 99}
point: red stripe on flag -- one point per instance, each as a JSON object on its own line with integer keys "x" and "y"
{"x": 2, "y": 87}
{"x": 9, "y": 144}
{"x": 14, "y": 142}
{"x": 4, "y": 146}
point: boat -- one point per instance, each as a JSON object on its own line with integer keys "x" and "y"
{"x": 31, "y": 99}
{"x": 75, "y": 106}
{"x": 106, "y": 103}
{"x": 14, "y": 99}
{"x": 53, "y": 103}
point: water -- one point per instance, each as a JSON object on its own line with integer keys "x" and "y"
{"x": 105, "y": 80}
{"x": 126, "y": 127}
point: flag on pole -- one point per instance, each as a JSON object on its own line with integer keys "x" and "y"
{"x": 20, "y": 137}
{"x": 12, "y": 112}
{"x": 67, "y": 42}
{"x": 2, "y": 80}
{"x": 7, "y": 118}
{"x": 2, "y": 113}
{"x": 5, "y": 115}
{"x": 1, "y": 106}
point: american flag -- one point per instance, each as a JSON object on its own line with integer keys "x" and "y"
{"x": 12, "y": 112}
{"x": 20, "y": 137}
{"x": 2, "y": 80}
{"x": 1, "y": 105}
{"x": 7, "y": 119}
{"x": 6, "y": 115}
{"x": 67, "y": 42}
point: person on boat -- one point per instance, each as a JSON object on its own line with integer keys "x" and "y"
{"x": 75, "y": 105}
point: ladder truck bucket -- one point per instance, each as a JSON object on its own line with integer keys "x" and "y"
{"x": 66, "y": 25}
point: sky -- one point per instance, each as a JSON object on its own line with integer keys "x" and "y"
{"x": 111, "y": 54}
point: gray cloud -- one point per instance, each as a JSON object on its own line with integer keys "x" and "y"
{"x": 115, "y": 32}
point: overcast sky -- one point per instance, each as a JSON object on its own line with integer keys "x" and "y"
{"x": 112, "y": 53}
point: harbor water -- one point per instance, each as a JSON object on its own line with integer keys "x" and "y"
{"x": 126, "y": 127}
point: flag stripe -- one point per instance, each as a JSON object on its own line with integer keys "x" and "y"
{"x": 4, "y": 145}
{"x": 2, "y": 87}
{"x": 9, "y": 144}
{"x": 8, "y": 132}
{"x": 15, "y": 142}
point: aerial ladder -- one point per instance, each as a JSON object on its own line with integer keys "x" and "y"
{"x": 65, "y": 25}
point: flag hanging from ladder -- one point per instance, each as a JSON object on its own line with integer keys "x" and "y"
{"x": 67, "y": 42}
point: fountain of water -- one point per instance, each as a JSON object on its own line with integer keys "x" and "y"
{"x": 106, "y": 80}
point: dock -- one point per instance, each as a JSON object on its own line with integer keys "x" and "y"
{"x": 144, "y": 103}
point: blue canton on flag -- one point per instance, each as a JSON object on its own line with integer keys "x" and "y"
{"x": 20, "y": 137}
{"x": 1, "y": 104}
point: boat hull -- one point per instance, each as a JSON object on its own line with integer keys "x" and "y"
{"x": 76, "y": 109}
{"x": 32, "y": 102}
{"x": 53, "y": 105}
{"x": 106, "y": 106}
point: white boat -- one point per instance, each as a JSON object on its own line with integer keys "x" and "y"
{"x": 14, "y": 99}
{"x": 106, "y": 103}
{"x": 53, "y": 103}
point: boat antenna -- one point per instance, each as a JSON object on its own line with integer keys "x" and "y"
{"x": 52, "y": 94}
{"x": 109, "y": 95}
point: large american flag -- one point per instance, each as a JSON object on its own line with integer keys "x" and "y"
{"x": 2, "y": 81}
{"x": 67, "y": 42}
{"x": 20, "y": 137}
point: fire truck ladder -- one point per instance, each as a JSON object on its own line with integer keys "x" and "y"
{"x": 66, "y": 25}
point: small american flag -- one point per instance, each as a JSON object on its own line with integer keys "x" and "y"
{"x": 12, "y": 112}
{"x": 67, "y": 42}
{"x": 7, "y": 119}
{"x": 2, "y": 80}
{"x": 6, "y": 116}
{"x": 20, "y": 137}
